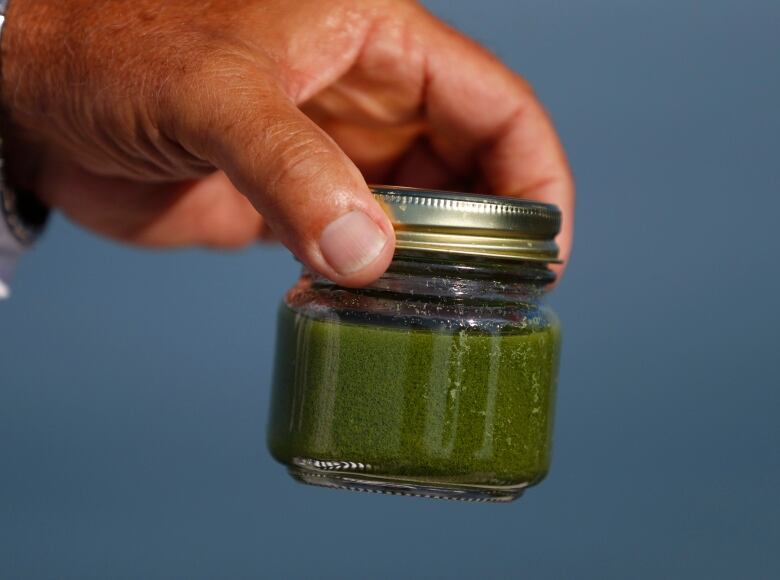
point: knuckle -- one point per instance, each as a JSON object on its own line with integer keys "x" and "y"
{"x": 524, "y": 87}
{"x": 216, "y": 97}
{"x": 294, "y": 156}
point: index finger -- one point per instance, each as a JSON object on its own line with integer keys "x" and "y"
{"x": 478, "y": 109}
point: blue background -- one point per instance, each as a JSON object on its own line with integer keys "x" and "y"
{"x": 134, "y": 386}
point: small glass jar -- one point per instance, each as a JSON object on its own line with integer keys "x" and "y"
{"x": 437, "y": 380}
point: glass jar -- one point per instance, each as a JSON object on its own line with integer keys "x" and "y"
{"x": 437, "y": 380}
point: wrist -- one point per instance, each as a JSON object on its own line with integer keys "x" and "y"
{"x": 22, "y": 216}
{"x": 25, "y": 21}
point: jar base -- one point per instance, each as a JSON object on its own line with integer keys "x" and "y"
{"x": 375, "y": 484}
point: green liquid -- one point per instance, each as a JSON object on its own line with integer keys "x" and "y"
{"x": 466, "y": 407}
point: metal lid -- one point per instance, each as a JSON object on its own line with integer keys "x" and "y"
{"x": 464, "y": 223}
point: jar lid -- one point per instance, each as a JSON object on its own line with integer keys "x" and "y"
{"x": 470, "y": 224}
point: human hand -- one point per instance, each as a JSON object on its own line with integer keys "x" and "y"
{"x": 217, "y": 122}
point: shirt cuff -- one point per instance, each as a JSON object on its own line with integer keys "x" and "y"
{"x": 7, "y": 267}
{"x": 10, "y": 250}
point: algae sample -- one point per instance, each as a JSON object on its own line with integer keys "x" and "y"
{"x": 464, "y": 406}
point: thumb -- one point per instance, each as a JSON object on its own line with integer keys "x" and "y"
{"x": 310, "y": 193}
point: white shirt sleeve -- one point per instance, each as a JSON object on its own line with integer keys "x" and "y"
{"x": 7, "y": 267}
{"x": 10, "y": 250}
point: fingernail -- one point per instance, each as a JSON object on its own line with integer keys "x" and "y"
{"x": 351, "y": 242}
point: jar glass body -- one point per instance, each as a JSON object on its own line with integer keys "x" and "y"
{"x": 437, "y": 380}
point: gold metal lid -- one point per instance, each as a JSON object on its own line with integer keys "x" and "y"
{"x": 470, "y": 224}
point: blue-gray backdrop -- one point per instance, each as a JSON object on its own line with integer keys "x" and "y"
{"x": 134, "y": 386}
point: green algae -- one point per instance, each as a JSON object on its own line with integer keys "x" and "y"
{"x": 464, "y": 406}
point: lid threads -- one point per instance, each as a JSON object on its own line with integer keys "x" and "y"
{"x": 471, "y": 224}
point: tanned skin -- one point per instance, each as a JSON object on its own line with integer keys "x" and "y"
{"x": 221, "y": 122}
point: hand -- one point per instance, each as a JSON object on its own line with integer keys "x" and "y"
{"x": 180, "y": 122}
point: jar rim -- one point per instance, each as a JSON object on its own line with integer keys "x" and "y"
{"x": 446, "y": 222}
